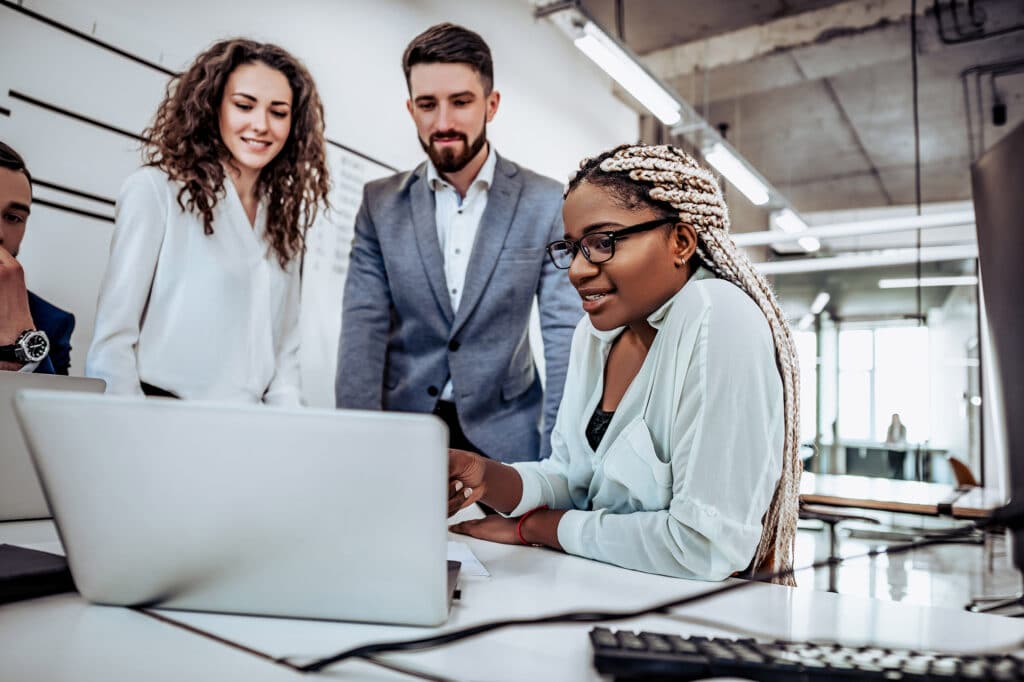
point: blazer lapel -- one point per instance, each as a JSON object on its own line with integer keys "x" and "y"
{"x": 424, "y": 224}
{"x": 490, "y": 237}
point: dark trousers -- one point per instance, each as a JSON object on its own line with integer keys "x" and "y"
{"x": 456, "y": 438}
{"x": 156, "y": 392}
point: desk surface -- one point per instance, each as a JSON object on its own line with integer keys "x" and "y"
{"x": 890, "y": 495}
{"x": 61, "y": 637}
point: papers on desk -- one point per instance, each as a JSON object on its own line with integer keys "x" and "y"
{"x": 460, "y": 551}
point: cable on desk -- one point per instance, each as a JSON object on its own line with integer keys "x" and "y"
{"x": 369, "y": 650}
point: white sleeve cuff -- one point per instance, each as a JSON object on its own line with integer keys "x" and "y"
{"x": 533, "y": 495}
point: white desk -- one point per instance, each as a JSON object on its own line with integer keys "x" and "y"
{"x": 118, "y": 644}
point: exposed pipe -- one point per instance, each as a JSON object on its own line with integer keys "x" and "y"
{"x": 962, "y": 37}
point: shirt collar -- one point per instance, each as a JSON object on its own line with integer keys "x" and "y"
{"x": 656, "y": 318}
{"x": 485, "y": 177}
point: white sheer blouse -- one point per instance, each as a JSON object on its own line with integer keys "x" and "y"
{"x": 691, "y": 458}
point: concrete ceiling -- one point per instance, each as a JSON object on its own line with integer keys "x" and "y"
{"x": 650, "y": 25}
{"x": 818, "y": 96}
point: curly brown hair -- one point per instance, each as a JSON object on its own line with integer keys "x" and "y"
{"x": 184, "y": 141}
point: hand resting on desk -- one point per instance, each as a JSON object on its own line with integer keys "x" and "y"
{"x": 473, "y": 478}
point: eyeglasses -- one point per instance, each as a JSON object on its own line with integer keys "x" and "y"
{"x": 597, "y": 247}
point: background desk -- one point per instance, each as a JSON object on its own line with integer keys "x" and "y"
{"x": 908, "y": 497}
{"x": 62, "y": 638}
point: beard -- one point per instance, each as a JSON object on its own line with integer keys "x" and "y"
{"x": 447, "y": 160}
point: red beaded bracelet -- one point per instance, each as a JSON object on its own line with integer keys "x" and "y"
{"x": 519, "y": 526}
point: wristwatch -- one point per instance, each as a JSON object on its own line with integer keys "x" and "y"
{"x": 32, "y": 346}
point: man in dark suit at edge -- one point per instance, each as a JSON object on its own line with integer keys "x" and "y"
{"x": 35, "y": 335}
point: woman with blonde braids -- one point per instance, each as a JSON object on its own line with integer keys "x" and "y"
{"x": 675, "y": 448}
{"x": 201, "y": 294}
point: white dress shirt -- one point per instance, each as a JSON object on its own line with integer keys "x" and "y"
{"x": 458, "y": 220}
{"x": 209, "y": 317}
{"x": 691, "y": 458}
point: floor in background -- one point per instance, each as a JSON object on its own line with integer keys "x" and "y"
{"x": 948, "y": 575}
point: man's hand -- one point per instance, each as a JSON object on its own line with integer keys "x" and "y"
{"x": 465, "y": 479}
{"x": 14, "y": 312}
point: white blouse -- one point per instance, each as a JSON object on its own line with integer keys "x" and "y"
{"x": 209, "y": 317}
{"x": 691, "y": 458}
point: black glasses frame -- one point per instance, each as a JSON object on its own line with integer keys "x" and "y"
{"x": 578, "y": 246}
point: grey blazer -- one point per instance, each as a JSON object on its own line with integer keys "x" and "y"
{"x": 400, "y": 340}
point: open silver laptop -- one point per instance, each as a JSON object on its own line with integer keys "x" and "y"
{"x": 20, "y": 496}
{"x": 330, "y": 514}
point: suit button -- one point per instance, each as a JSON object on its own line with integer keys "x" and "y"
{"x": 432, "y": 391}
{"x": 453, "y": 345}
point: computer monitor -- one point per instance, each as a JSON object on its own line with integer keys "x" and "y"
{"x": 998, "y": 183}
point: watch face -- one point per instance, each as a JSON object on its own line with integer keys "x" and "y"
{"x": 35, "y": 345}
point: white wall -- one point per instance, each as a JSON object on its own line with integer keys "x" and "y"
{"x": 556, "y": 106}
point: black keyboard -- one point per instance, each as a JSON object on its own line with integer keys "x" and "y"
{"x": 651, "y": 656}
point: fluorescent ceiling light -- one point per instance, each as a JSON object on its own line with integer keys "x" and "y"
{"x": 736, "y": 172}
{"x": 913, "y": 282}
{"x": 624, "y": 69}
{"x": 853, "y": 261}
{"x": 805, "y": 322}
{"x": 819, "y": 303}
{"x": 809, "y": 244}
{"x": 788, "y": 221}
{"x": 857, "y": 228}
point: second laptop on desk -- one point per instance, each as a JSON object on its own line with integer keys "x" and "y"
{"x": 20, "y": 496}
{"x": 337, "y": 515}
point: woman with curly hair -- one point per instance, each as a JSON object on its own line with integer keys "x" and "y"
{"x": 675, "y": 446}
{"x": 201, "y": 295}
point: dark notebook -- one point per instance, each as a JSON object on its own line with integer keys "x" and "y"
{"x": 27, "y": 573}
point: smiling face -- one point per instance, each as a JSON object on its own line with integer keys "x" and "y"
{"x": 15, "y": 204}
{"x": 451, "y": 111}
{"x": 255, "y": 115}
{"x": 646, "y": 270}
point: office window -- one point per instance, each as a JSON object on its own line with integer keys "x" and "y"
{"x": 856, "y": 364}
{"x": 902, "y": 381}
{"x": 883, "y": 371}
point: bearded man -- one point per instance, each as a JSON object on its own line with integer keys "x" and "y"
{"x": 447, "y": 261}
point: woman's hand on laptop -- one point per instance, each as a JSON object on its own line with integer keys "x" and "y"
{"x": 466, "y": 472}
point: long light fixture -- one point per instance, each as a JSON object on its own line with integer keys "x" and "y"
{"x": 817, "y": 305}
{"x": 789, "y": 222}
{"x": 625, "y": 70}
{"x": 736, "y": 172}
{"x": 819, "y": 302}
{"x": 856, "y": 228}
{"x": 913, "y": 282}
{"x": 853, "y": 261}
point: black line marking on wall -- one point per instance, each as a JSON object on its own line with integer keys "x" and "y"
{"x": 75, "y": 192}
{"x": 361, "y": 155}
{"x": 71, "y": 114}
{"x": 5, "y": 112}
{"x": 72, "y": 209}
{"x": 144, "y": 62}
{"x": 86, "y": 37}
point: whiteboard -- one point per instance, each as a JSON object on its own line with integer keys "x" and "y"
{"x": 328, "y": 246}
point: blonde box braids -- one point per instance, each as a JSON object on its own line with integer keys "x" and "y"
{"x": 673, "y": 178}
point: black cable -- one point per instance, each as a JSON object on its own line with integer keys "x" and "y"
{"x": 422, "y": 644}
{"x": 411, "y": 672}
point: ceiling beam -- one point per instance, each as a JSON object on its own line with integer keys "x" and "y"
{"x": 749, "y": 43}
